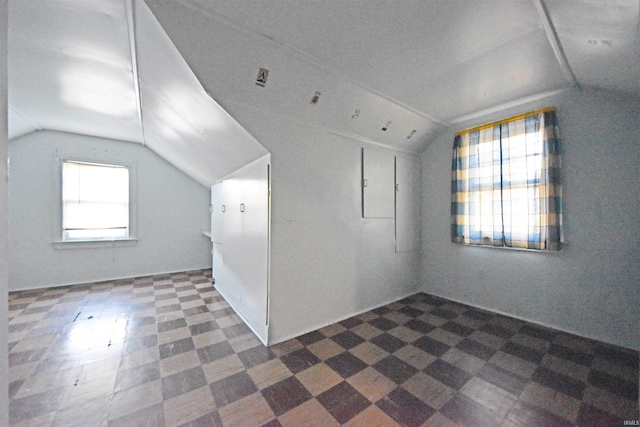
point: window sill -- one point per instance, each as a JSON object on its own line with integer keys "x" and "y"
{"x": 93, "y": 244}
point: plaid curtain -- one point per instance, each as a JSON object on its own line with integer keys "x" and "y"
{"x": 505, "y": 184}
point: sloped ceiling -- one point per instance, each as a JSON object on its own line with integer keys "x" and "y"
{"x": 107, "y": 67}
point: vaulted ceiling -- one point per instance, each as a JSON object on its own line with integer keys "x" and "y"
{"x": 146, "y": 72}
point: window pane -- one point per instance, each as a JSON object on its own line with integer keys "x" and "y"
{"x": 95, "y": 201}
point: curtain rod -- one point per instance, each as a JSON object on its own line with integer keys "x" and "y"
{"x": 507, "y": 120}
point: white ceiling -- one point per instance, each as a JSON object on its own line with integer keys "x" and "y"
{"x": 106, "y": 67}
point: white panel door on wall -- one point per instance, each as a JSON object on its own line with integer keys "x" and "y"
{"x": 378, "y": 183}
{"x": 243, "y": 267}
{"x": 407, "y": 203}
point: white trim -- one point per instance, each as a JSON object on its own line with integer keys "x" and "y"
{"x": 93, "y": 244}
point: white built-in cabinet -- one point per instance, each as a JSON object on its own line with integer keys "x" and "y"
{"x": 240, "y": 232}
{"x": 390, "y": 189}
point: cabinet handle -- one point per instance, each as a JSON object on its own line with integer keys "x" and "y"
{"x": 364, "y": 182}
{"x": 224, "y": 208}
{"x": 241, "y": 207}
{"x": 397, "y": 187}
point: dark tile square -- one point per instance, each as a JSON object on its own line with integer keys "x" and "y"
{"x": 411, "y": 311}
{"x": 618, "y": 355}
{"x": 215, "y": 351}
{"x": 502, "y": 378}
{"x": 388, "y": 342}
{"x": 255, "y": 356}
{"x": 476, "y": 349}
{"x": 447, "y": 374}
{"x": 176, "y": 347}
{"x": 445, "y": 314}
{"x": 383, "y": 323}
{"x": 351, "y": 322}
{"x": 478, "y": 315}
{"x": 149, "y": 416}
{"x": 467, "y": 412}
{"x": 232, "y": 388}
{"x": 14, "y": 386}
{"x": 188, "y": 298}
{"x": 538, "y": 332}
{"x": 212, "y": 419}
{"x": 183, "y": 382}
{"x": 405, "y": 408}
{"x": 195, "y": 310}
{"x": 395, "y": 369}
{"x": 136, "y": 376}
{"x": 346, "y": 364}
{"x": 498, "y": 331}
{"x": 285, "y": 395}
{"x": 431, "y": 346}
{"x": 625, "y": 389}
{"x": 419, "y": 326}
{"x": 171, "y": 324}
{"x": 347, "y": 339}
{"x": 223, "y": 312}
{"x": 594, "y": 417}
{"x": 522, "y": 351}
{"x": 559, "y": 382}
{"x": 299, "y": 360}
{"x": 168, "y": 309}
{"x": 311, "y": 337}
{"x": 434, "y": 301}
{"x": 163, "y": 297}
{"x": 527, "y": 415}
{"x": 457, "y": 328}
{"x": 27, "y": 356}
{"x": 35, "y": 405}
{"x": 343, "y": 402}
{"x": 570, "y": 354}
{"x": 236, "y": 330}
{"x": 203, "y": 327}
{"x": 381, "y": 311}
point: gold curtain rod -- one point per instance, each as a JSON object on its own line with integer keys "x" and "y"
{"x": 507, "y": 120}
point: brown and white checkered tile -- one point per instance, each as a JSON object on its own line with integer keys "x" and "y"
{"x": 168, "y": 350}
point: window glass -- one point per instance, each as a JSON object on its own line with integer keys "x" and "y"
{"x": 95, "y": 201}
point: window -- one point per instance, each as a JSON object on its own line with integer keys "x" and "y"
{"x": 506, "y": 188}
{"x": 95, "y": 201}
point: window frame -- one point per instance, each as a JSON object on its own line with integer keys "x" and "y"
{"x": 59, "y": 241}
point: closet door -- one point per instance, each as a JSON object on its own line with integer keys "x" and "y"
{"x": 377, "y": 183}
{"x": 407, "y": 203}
{"x": 254, "y": 219}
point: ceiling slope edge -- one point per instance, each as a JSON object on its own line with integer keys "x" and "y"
{"x": 227, "y": 59}
{"x": 181, "y": 122}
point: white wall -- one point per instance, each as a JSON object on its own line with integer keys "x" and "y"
{"x": 592, "y": 286}
{"x": 172, "y": 212}
{"x": 327, "y": 262}
{"x": 4, "y": 265}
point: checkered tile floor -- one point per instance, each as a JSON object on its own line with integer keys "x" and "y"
{"x": 168, "y": 350}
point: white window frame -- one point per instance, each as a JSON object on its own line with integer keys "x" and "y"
{"x": 59, "y": 241}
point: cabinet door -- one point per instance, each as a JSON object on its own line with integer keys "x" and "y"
{"x": 407, "y": 204}
{"x": 218, "y": 210}
{"x": 377, "y": 184}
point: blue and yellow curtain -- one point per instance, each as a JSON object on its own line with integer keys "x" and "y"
{"x": 505, "y": 184}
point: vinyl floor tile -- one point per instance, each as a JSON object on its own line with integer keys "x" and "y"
{"x": 168, "y": 350}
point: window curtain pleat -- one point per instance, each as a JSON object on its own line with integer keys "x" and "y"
{"x": 506, "y": 188}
